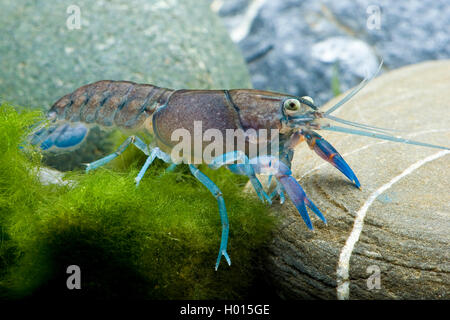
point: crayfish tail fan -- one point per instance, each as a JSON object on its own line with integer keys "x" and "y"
{"x": 59, "y": 135}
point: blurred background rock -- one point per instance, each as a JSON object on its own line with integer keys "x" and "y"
{"x": 170, "y": 43}
{"x": 295, "y": 46}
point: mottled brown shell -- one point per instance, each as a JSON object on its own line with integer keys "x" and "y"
{"x": 108, "y": 103}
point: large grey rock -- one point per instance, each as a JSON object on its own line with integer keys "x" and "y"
{"x": 293, "y": 45}
{"x": 179, "y": 44}
{"x": 398, "y": 223}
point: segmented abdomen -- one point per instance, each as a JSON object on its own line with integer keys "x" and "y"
{"x": 111, "y": 103}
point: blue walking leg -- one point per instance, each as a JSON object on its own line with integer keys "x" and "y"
{"x": 228, "y": 158}
{"x": 147, "y": 163}
{"x": 130, "y": 140}
{"x": 245, "y": 169}
{"x": 222, "y": 210}
{"x": 278, "y": 191}
{"x": 269, "y": 181}
{"x": 156, "y": 153}
{"x": 141, "y": 145}
{"x": 259, "y": 188}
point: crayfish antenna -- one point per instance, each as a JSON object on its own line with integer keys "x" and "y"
{"x": 360, "y": 125}
{"x": 350, "y": 95}
{"x": 380, "y": 136}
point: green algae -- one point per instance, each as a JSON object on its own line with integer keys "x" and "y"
{"x": 158, "y": 241}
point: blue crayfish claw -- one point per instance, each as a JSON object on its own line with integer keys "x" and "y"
{"x": 299, "y": 198}
{"x": 271, "y": 165}
{"x": 327, "y": 152}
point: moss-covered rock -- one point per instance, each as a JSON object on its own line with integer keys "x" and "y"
{"x": 157, "y": 241}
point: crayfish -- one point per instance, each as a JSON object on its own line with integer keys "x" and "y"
{"x": 159, "y": 112}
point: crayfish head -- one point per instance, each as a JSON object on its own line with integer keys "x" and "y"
{"x": 271, "y": 110}
{"x": 301, "y": 113}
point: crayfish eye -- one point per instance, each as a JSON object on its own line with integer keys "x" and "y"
{"x": 308, "y": 99}
{"x": 291, "y": 105}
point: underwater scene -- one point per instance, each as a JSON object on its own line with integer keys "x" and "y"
{"x": 238, "y": 150}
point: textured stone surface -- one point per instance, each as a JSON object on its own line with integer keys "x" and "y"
{"x": 281, "y": 39}
{"x": 406, "y": 229}
{"x": 168, "y": 43}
